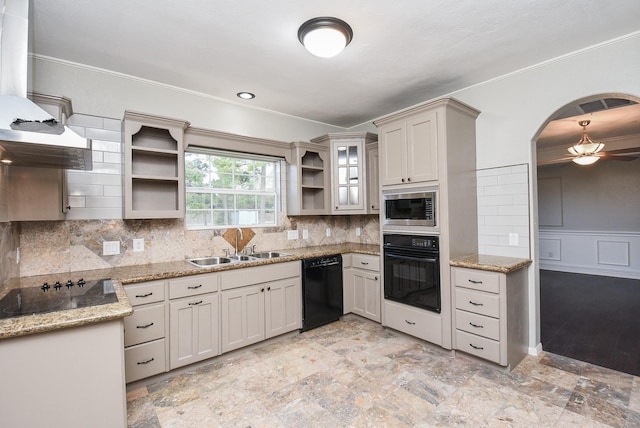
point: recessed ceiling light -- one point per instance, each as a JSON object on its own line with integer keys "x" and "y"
{"x": 245, "y": 95}
{"x": 6, "y": 161}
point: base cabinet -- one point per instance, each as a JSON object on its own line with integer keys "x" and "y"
{"x": 491, "y": 315}
{"x": 194, "y": 316}
{"x": 194, "y": 329}
{"x": 362, "y": 287}
{"x": 252, "y": 312}
{"x": 145, "y": 342}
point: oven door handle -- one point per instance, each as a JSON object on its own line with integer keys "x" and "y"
{"x": 430, "y": 259}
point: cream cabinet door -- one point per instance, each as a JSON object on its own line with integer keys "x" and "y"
{"x": 422, "y": 147}
{"x": 366, "y": 294}
{"x": 373, "y": 179}
{"x": 242, "y": 319}
{"x": 194, "y": 329}
{"x": 283, "y": 306}
{"x": 393, "y": 156}
{"x": 349, "y": 176}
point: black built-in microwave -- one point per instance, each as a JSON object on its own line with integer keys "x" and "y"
{"x": 407, "y": 208}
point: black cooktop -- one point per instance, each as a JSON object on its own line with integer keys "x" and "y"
{"x": 57, "y": 297}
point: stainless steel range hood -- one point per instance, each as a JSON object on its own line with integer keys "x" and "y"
{"x": 29, "y": 136}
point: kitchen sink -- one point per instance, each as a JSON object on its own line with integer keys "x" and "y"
{"x": 242, "y": 258}
{"x": 270, "y": 255}
{"x": 210, "y": 261}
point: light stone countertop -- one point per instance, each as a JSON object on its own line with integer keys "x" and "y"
{"x": 490, "y": 263}
{"x": 40, "y": 323}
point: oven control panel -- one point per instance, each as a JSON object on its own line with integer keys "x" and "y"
{"x": 415, "y": 241}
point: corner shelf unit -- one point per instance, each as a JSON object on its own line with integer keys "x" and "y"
{"x": 308, "y": 189}
{"x": 153, "y": 166}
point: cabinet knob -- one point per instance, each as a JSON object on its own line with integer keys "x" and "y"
{"x": 409, "y": 179}
{"x": 262, "y": 290}
{"x": 268, "y": 288}
{"x": 375, "y": 277}
{"x": 403, "y": 180}
{"x": 336, "y": 207}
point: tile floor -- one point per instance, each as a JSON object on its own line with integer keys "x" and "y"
{"x": 356, "y": 373}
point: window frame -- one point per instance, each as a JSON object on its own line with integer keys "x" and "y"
{"x": 276, "y": 193}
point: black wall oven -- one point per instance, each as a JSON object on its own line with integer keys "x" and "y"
{"x": 412, "y": 270}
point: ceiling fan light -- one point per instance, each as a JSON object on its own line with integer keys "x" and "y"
{"x": 325, "y": 37}
{"x": 586, "y": 159}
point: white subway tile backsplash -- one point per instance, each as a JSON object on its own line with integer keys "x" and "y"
{"x": 97, "y": 156}
{"x": 93, "y": 178}
{"x": 104, "y": 202}
{"x": 76, "y": 201}
{"x": 503, "y": 208}
{"x": 113, "y": 157}
{"x": 107, "y": 168}
{"x": 104, "y": 134}
{"x": 85, "y": 190}
{"x": 113, "y": 191}
{"x": 107, "y": 146}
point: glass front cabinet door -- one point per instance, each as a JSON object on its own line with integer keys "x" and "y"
{"x": 348, "y": 179}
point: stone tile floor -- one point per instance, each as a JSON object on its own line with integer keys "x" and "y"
{"x": 356, "y": 373}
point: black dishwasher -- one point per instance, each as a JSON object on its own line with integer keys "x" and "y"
{"x": 321, "y": 291}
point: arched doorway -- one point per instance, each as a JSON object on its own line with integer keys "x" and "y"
{"x": 585, "y": 229}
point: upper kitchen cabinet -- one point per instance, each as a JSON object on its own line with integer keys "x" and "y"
{"x": 409, "y": 147}
{"x": 348, "y": 170}
{"x": 308, "y": 180}
{"x": 153, "y": 166}
{"x": 373, "y": 178}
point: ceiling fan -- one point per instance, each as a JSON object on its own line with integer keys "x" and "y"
{"x": 587, "y": 152}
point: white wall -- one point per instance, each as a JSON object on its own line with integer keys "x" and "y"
{"x": 514, "y": 108}
{"x": 107, "y": 94}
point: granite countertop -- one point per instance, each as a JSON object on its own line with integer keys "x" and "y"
{"x": 40, "y": 323}
{"x": 500, "y": 264}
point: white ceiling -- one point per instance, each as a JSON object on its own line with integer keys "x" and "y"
{"x": 402, "y": 53}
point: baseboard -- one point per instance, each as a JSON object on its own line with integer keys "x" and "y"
{"x": 536, "y": 350}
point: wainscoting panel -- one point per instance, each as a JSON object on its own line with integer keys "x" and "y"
{"x": 614, "y": 254}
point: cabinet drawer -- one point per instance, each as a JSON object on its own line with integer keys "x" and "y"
{"x": 478, "y": 324}
{"x": 416, "y": 322}
{"x": 259, "y": 274}
{"x": 477, "y": 279}
{"x": 146, "y": 292}
{"x": 478, "y": 302}
{"x": 193, "y": 285}
{"x": 144, "y": 360}
{"x": 146, "y": 324}
{"x": 479, "y": 346}
{"x": 362, "y": 261}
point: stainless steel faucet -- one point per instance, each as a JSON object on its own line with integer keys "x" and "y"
{"x": 241, "y": 237}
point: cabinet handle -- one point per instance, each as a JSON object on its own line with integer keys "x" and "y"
{"x": 476, "y": 304}
{"x": 268, "y": 288}
{"x": 194, "y": 287}
{"x": 262, "y": 290}
{"x": 409, "y": 322}
{"x": 144, "y": 295}
{"x": 146, "y": 362}
{"x": 195, "y": 303}
{"x": 475, "y": 282}
{"x": 375, "y": 277}
{"x": 144, "y": 326}
{"x": 364, "y": 263}
{"x": 476, "y": 347}
{"x": 475, "y": 325}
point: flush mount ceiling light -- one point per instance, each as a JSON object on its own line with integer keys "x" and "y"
{"x": 585, "y": 150}
{"x": 245, "y": 95}
{"x": 325, "y": 37}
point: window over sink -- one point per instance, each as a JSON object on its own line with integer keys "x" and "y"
{"x": 226, "y": 189}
